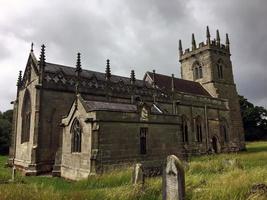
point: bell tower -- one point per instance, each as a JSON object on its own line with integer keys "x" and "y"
{"x": 209, "y": 64}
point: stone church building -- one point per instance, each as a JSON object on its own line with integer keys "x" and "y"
{"x": 75, "y": 122}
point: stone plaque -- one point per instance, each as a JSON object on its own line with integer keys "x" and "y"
{"x": 173, "y": 179}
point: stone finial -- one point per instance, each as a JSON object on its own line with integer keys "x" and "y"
{"x": 132, "y": 78}
{"x": 19, "y": 79}
{"x": 227, "y": 42}
{"x": 172, "y": 86}
{"x": 138, "y": 176}
{"x": 42, "y": 56}
{"x": 218, "y": 37}
{"x": 108, "y": 71}
{"x": 208, "y": 35}
{"x": 173, "y": 179}
{"x": 78, "y": 70}
{"x": 32, "y": 47}
{"x": 180, "y": 48}
{"x": 78, "y": 63}
{"x": 194, "y": 46}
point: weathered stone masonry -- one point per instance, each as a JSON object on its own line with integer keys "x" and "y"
{"x": 119, "y": 120}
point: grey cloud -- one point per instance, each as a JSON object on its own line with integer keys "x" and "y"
{"x": 143, "y": 35}
{"x": 246, "y": 22}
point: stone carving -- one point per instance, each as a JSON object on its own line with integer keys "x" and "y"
{"x": 173, "y": 179}
{"x": 144, "y": 114}
{"x": 138, "y": 174}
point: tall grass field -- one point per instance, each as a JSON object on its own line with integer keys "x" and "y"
{"x": 235, "y": 176}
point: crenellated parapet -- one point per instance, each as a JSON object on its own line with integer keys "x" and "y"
{"x": 214, "y": 44}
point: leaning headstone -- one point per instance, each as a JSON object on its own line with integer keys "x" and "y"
{"x": 138, "y": 174}
{"x": 173, "y": 179}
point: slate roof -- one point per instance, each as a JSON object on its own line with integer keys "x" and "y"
{"x": 120, "y": 107}
{"x": 180, "y": 85}
{"x": 70, "y": 71}
{"x": 109, "y": 106}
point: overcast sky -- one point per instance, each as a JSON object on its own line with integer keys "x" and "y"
{"x": 134, "y": 34}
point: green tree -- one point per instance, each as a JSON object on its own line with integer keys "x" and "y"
{"x": 5, "y": 130}
{"x": 254, "y": 119}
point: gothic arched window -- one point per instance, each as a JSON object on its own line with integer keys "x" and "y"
{"x": 224, "y": 131}
{"x": 76, "y": 136}
{"x": 143, "y": 133}
{"x": 220, "y": 69}
{"x": 197, "y": 70}
{"x": 199, "y": 129}
{"x": 26, "y": 117}
{"x": 184, "y": 129}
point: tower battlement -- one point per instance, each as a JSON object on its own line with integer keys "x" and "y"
{"x": 214, "y": 45}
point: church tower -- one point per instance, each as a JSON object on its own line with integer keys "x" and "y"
{"x": 209, "y": 64}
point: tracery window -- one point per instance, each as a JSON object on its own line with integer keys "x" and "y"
{"x": 76, "y": 136}
{"x": 184, "y": 129}
{"x": 197, "y": 70}
{"x": 220, "y": 69}
{"x": 199, "y": 129}
{"x": 26, "y": 117}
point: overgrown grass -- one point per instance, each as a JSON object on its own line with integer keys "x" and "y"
{"x": 217, "y": 177}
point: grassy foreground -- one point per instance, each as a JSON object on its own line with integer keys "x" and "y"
{"x": 224, "y": 176}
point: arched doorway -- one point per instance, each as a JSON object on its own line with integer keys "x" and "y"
{"x": 214, "y": 142}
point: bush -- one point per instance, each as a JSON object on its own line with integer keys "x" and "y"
{"x": 5, "y": 131}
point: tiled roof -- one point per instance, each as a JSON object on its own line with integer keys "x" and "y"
{"x": 180, "y": 85}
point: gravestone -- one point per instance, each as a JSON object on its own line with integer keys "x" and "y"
{"x": 173, "y": 179}
{"x": 138, "y": 174}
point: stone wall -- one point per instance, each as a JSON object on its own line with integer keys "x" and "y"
{"x": 54, "y": 105}
{"x": 119, "y": 141}
{"x": 76, "y": 165}
{"x": 25, "y": 155}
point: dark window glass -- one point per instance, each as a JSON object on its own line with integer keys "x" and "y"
{"x": 224, "y": 133}
{"x": 198, "y": 71}
{"x": 220, "y": 69}
{"x": 199, "y": 131}
{"x": 143, "y": 133}
{"x": 185, "y": 130}
{"x": 76, "y": 136}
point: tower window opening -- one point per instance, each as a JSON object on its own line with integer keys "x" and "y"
{"x": 198, "y": 71}
{"x": 220, "y": 69}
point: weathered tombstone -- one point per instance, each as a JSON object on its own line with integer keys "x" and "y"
{"x": 138, "y": 174}
{"x": 173, "y": 179}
